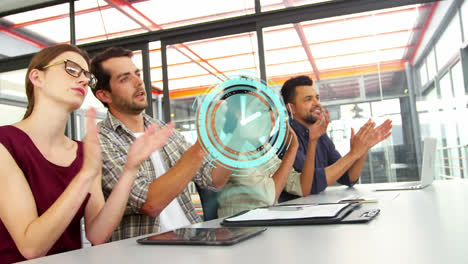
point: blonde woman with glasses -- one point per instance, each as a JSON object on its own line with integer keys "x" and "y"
{"x": 49, "y": 181}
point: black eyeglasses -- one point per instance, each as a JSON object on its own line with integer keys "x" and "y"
{"x": 75, "y": 70}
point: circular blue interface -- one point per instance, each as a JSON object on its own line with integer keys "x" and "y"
{"x": 242, "y": 123}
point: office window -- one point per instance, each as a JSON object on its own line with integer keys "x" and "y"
{"x": 39, "y": 23}
{"x": 457, "y": 80}
{"x": 357, "y": 63}
{"x": 450, "y": 140}
{"x": 97, "y": 20}
{"x": 390, "y": 160}
{"x": 441, "y": 118}
{"x": 286, "y": 57}
{"x": 10, "y": 114}
{"x": 451, "y": 146}
{"x": 13, "y": 99}
{"x": 448, "y": 127}
{"x": 446, "y": 87}
{"x": 337, "y": 49}
{"x": 195, "y": 66}
{"x": 156, "y": 78}
{"x": 12, "y": 84}
{"x": 268, "y": 5}
{"x": 431, "y": 65}
{"x": 28, "y": 32}
{"x": 185, "y": 12}
{"x": 340, "y": 47}
{"x": 386, "y": 162}
{"x": 423, "y": 74}
{"x": 461, "y": 101}
{"x": 430, "y": 119}
{"x": 448, "y": 46}
{"x": 464, "y": 16}
{"x": 385, "y": 84}
{"x": 431, "y": 94}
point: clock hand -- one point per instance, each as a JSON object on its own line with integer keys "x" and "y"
{"x": 250, "y": 118}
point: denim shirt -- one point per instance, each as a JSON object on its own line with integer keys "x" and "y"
{"x": 325, "y": 155}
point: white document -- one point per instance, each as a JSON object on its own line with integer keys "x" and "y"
{"x": 381, "y": 196}
{"x": 290, "y": 212}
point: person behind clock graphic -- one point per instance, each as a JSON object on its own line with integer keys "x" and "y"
{"x": 250, "y": 120}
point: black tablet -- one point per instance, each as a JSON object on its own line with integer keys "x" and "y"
{"x": 203, "y": 236}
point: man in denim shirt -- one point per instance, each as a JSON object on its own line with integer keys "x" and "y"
{"x": 303, "y": 103}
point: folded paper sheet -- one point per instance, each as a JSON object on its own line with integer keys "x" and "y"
{"x": 290, "y": 212}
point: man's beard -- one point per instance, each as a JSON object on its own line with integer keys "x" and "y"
{"x": 128, "y": 106}
{"x": 310, "y": 119}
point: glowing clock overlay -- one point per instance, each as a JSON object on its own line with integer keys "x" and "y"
{"x": 242, "y": 123}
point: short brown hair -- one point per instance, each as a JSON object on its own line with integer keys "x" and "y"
{"x": 101, "y": 74}
{"x": 41, "y": 59}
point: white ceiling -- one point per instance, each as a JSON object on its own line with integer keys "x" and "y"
{"x": 9, "y": 5}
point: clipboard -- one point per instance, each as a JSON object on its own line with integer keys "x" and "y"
{"x": 348, "y": 213}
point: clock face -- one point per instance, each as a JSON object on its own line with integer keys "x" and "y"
{"x": 241, "y": 123}
{"x": 244, "y": 122}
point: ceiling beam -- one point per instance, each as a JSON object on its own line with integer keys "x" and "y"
{"x": 6, "y": 11}
{"x": 423, "y": 31}
{"x": 305, "y": 44}
{"x": 235, "y": 25}
{"x": 22, "y": 37}
{"x": 134, "y": 14}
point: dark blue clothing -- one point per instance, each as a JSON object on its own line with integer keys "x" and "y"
{"x": 325, "y": 155}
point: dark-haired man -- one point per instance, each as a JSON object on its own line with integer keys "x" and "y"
{"x": 159, "y": 200}
{"x": 304, "y": 105}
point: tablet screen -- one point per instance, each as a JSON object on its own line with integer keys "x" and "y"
{"x": 203, "y": 236}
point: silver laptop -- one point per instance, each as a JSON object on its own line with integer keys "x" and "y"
{"x": 427, "y": 173}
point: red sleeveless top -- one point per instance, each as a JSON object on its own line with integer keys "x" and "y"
{"x": 47, "y": 182}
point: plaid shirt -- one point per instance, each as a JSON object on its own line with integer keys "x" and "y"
{"x": 115, "y": 140}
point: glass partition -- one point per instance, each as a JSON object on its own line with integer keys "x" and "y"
{"x": 358, "y": 66}
{"x": 13, "y": 99}
{"x": 30, "y": 31}
{"x": 195, "y": 66}
{"x": 364, "y": 65}
{"x": 268, "y": 5}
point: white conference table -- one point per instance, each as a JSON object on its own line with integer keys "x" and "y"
{"x": 419, "y": 226}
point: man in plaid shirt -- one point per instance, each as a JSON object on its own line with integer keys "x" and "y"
{"x": 159, "y": 200}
